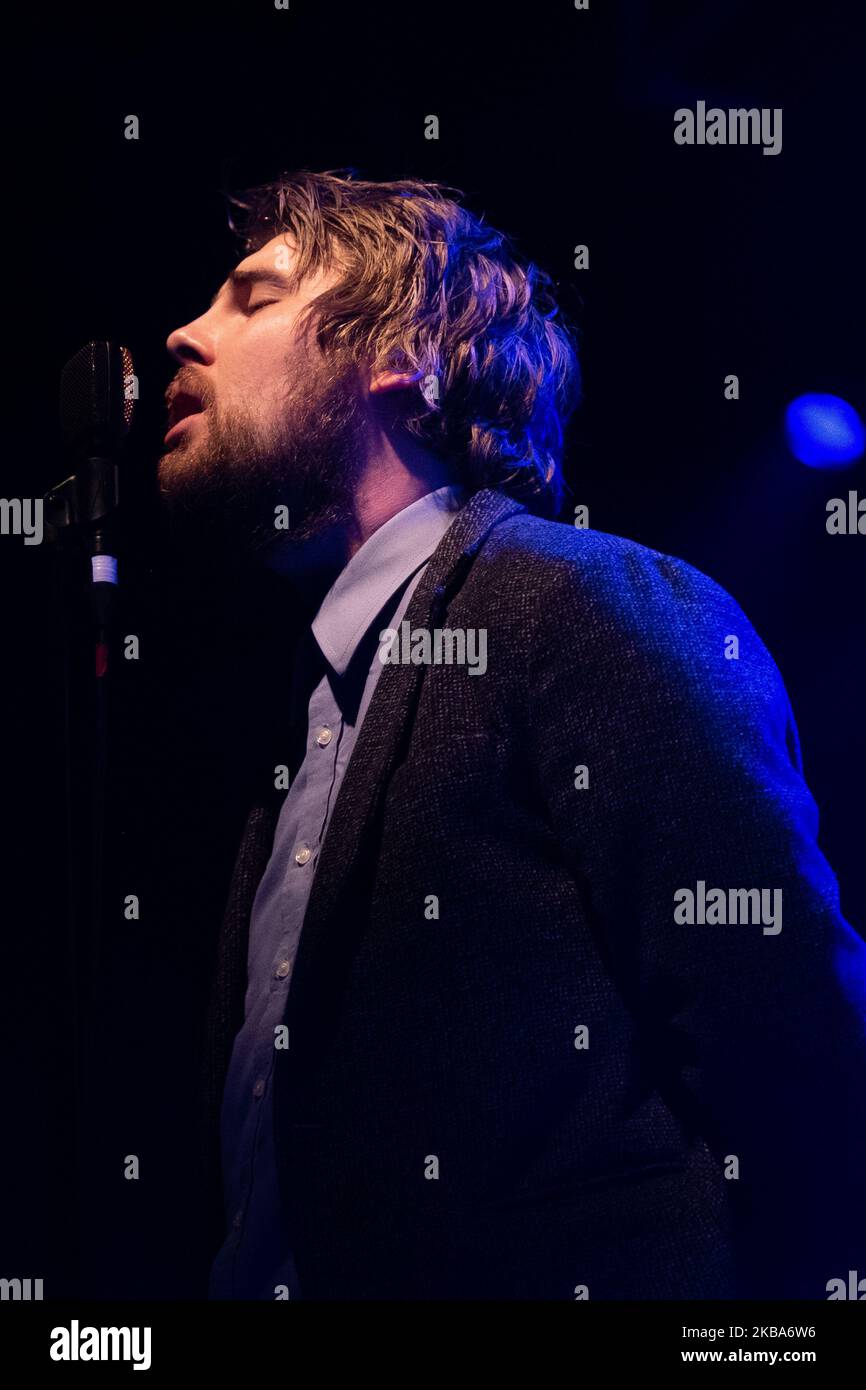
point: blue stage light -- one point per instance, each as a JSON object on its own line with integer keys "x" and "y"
{"x": 824, "y": 431}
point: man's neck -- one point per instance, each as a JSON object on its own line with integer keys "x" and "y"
{"x": 398, "y": 470}
{"x": 379, "y": 497}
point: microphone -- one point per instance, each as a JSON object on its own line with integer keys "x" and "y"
{"x": 98, "y": 390}
{"x": 97, "y": 398}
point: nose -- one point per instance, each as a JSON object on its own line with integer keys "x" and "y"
{"x": 192, "y": 343}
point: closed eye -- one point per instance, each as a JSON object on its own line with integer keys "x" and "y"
{"x": 262, "y": 304}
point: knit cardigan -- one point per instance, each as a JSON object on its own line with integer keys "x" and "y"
{"x": 575, "y": 1013}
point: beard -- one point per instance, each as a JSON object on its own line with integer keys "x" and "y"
{"x": 220, "y": 492}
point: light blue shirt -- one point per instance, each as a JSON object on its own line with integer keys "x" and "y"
{"x": 374, "y": 588}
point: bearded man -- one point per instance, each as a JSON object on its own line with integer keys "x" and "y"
{"x": 463, "y": 1042}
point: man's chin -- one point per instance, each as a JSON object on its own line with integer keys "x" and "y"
{"x": 175, "y": 469}
{"x": 202, "y": 521}
{"x": 221, "y": 525}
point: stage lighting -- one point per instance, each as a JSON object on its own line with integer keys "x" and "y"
{"x": 824, "y": 431}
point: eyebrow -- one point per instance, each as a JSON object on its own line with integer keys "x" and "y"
{"x": 251, "y": 277}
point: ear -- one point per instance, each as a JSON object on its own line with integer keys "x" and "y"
{"x": 394, "y": 381}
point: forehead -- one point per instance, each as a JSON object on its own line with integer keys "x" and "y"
{"x": 277, "y": 254}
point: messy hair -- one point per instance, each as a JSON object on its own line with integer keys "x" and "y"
{"x": 426, "y": 287}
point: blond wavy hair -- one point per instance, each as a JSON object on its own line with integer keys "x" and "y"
{"x": 428, "y": 287}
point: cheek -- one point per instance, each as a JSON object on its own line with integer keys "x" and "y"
{"x": 253, "y": 351}
{"x": 254, "y": 387}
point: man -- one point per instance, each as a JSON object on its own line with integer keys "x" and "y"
{"x": 533, "y": 983}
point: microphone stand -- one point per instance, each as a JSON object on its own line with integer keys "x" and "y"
{"x": 80, "y": 513}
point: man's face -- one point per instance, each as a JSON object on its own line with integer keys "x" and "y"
{"x": 261, "y": 419}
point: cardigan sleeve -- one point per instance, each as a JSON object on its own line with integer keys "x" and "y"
{"x": 693, "y": 837}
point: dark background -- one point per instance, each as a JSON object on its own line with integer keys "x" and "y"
{"x": 558, "y": 126}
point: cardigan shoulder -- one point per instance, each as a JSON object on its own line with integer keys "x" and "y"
{"x": 647, "y": 626}
{"x": 609, "y": 570}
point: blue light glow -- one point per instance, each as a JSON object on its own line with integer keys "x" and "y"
{"x": 824, "y": 431}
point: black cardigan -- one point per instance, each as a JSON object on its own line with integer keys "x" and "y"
{"x": 547, "y": 1087}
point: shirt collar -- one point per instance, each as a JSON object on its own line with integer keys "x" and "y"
{"x": 377, "y": 570}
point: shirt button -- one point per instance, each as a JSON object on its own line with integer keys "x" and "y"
{"x": 302, "y": 854}
{"x": 259, "y": 1088}
{"x": 323, "y": 737}
{"x": 283, "y": 969}
{"x": 237, "y": 1220}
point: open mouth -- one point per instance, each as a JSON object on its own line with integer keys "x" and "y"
{"x": 184, "y": 407}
